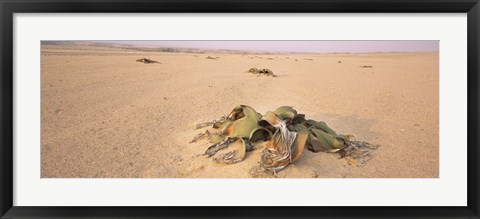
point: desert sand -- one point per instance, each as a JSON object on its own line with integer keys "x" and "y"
{"x": 105, "y": 115}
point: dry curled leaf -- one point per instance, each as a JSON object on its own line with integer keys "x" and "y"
{"x": 234, "y": 153}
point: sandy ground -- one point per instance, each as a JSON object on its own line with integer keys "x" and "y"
{"x": 105, "y": 115}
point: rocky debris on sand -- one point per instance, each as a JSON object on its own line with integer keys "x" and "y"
{"x": 366, "y": 66}
{"x": 214, "y": 58}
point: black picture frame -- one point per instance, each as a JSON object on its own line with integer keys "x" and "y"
{"x": 9, "y": 7}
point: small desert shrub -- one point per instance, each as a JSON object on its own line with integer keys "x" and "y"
{"x": 263, "y": 71}
{"x": 147, "y": 61}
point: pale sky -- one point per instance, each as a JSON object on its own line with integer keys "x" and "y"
{"x": 300, "y": 46}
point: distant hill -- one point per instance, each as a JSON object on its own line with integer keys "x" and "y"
{"x": 157, "y": 49}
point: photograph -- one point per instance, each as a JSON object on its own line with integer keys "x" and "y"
{"x": 239, "y": 109}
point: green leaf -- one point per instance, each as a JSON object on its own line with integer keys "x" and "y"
{"x": 260, "y": 133}
{"x": 327, "y": 141}
{"x": 285, "y": 112}
{"x": 270, "y": 118}
{"x": 320, "y": 125}
{"x": 215, "y": 137}
{"x": 246, "y": 121}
